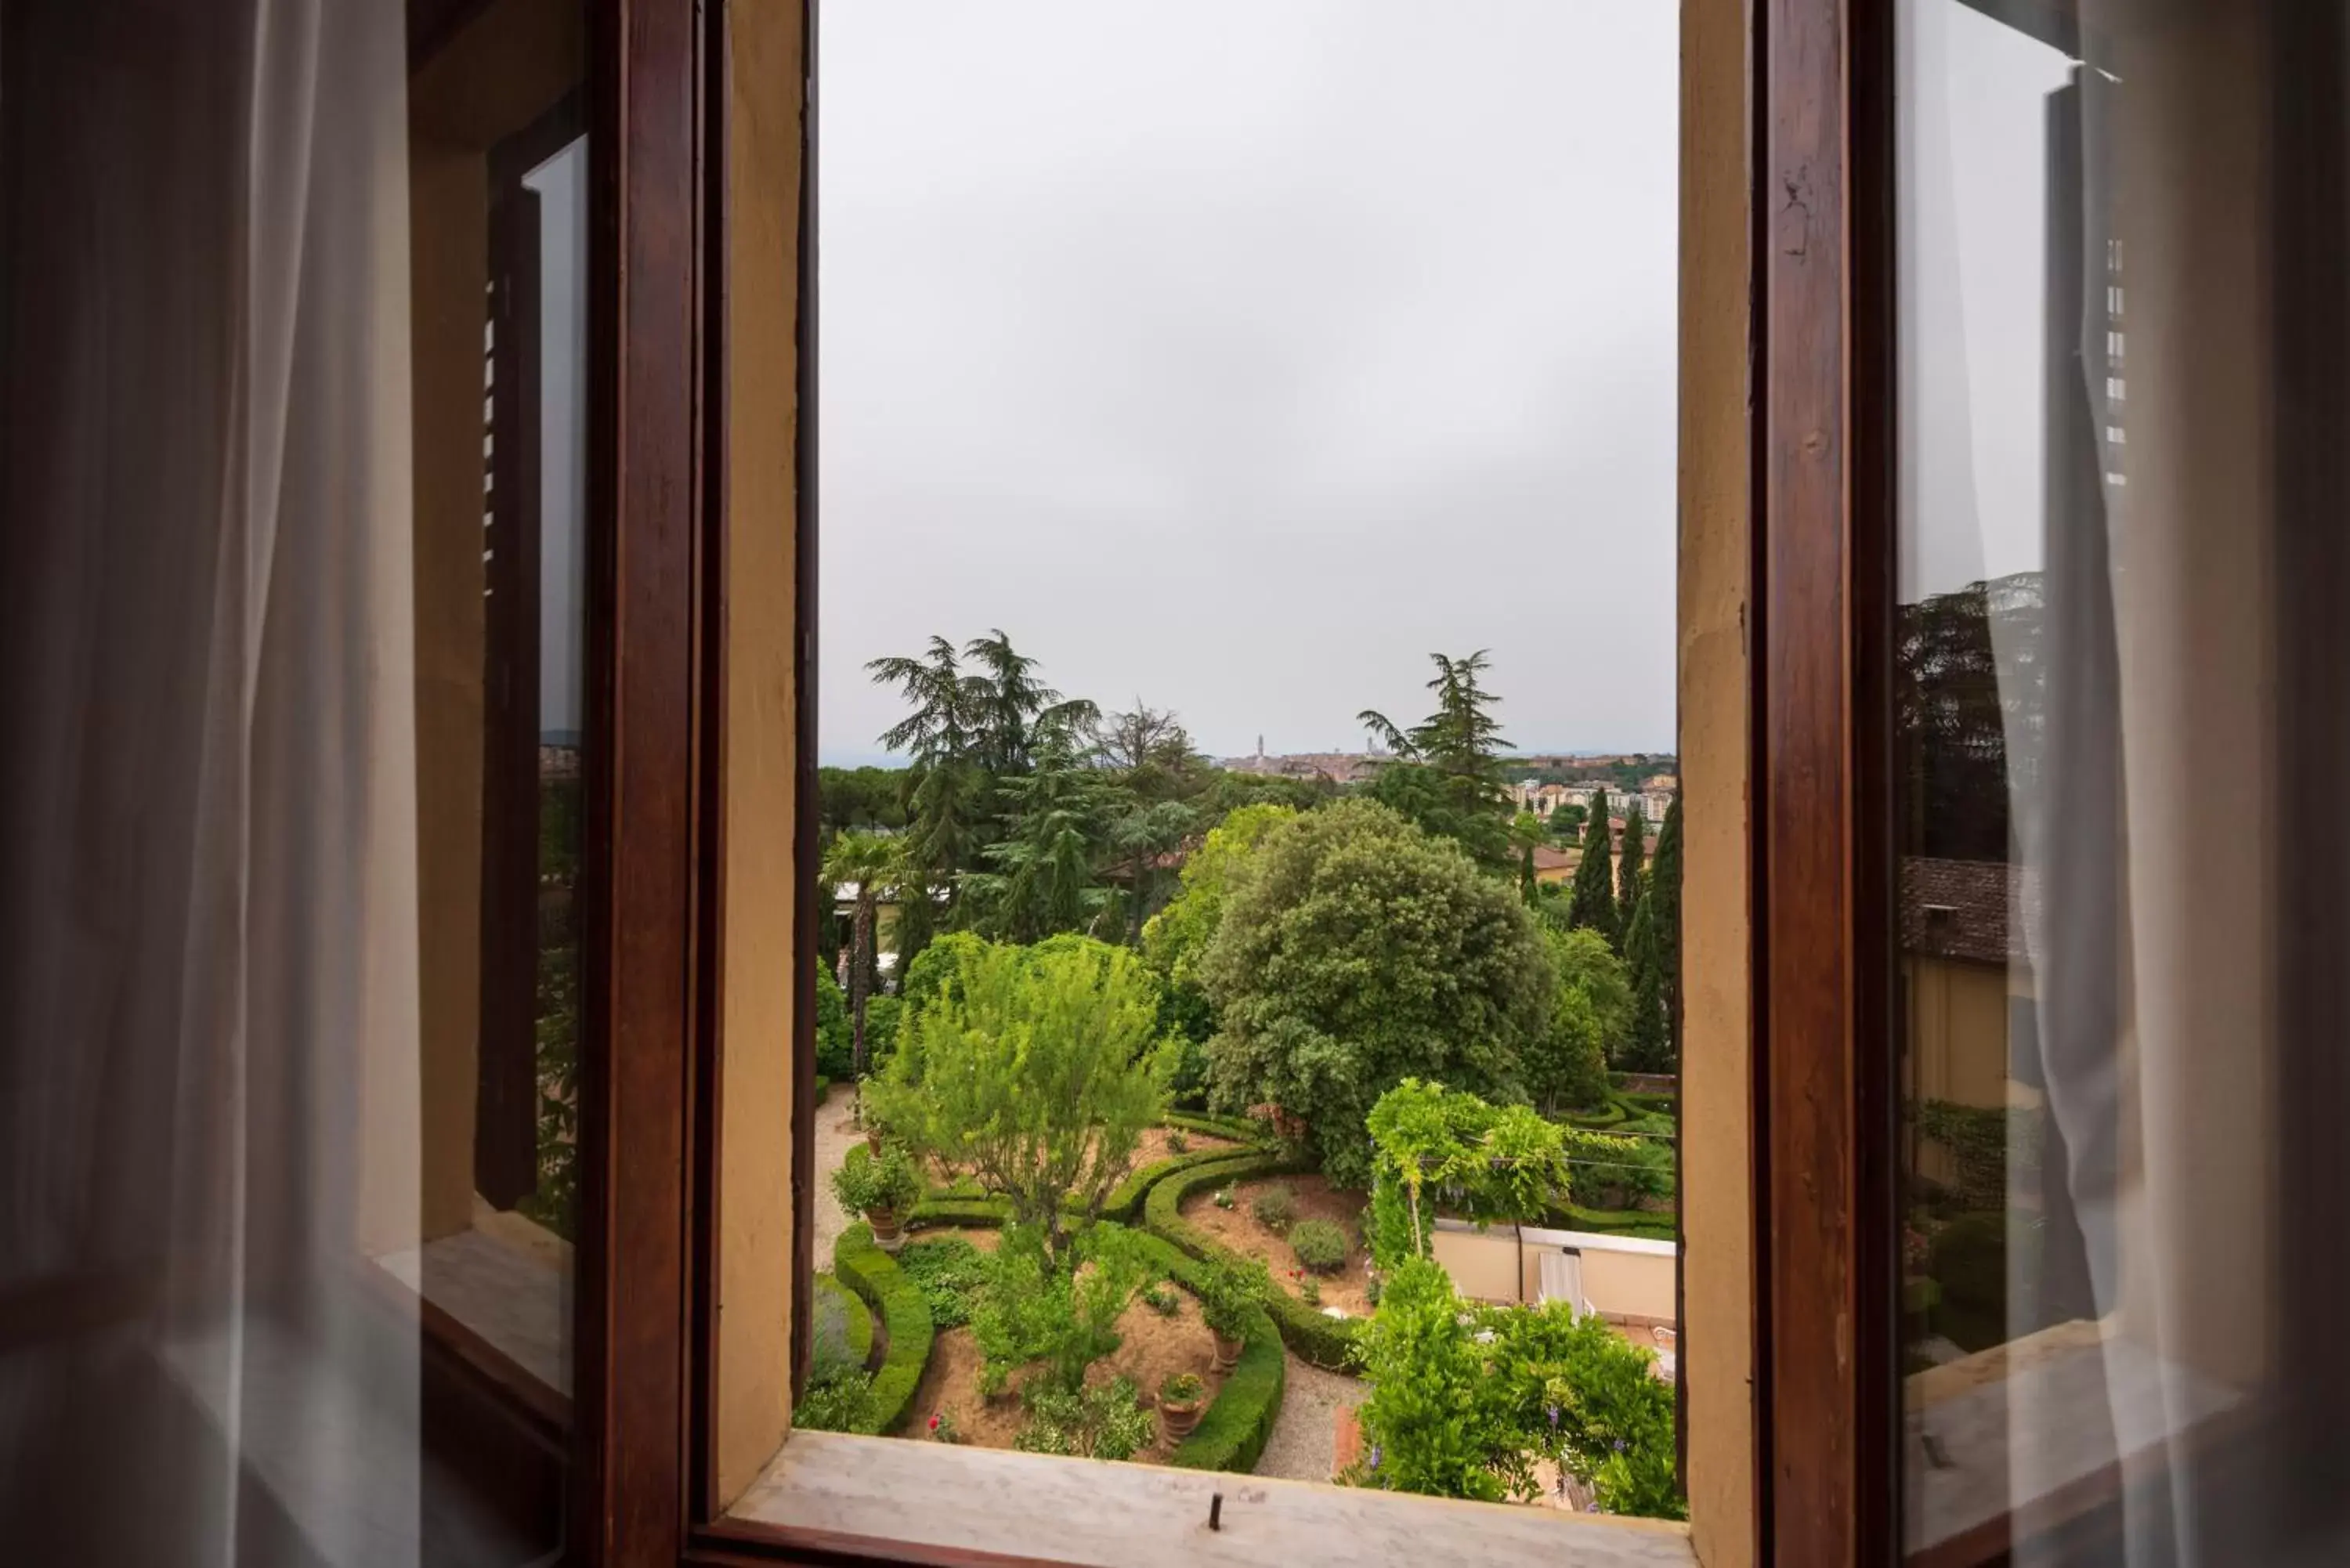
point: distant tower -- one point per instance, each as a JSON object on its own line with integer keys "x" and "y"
{"x": 1260, "y": 746}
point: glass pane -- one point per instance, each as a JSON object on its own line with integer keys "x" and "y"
{"x": 2118, "y": 721}
{"x": 295, "y": 384}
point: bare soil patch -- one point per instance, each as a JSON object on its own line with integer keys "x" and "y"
{"x": 1316, "y": 1199}
{"x": 1151, "y": 1349}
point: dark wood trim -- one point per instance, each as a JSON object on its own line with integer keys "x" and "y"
{"x": 710, "y": 752}
{"x": 1826, "y": 1074}
{"x": 639, "y": 907}
{"x": 805, "y": 646}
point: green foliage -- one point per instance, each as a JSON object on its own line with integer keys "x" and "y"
{"x": 1387, "y": 1224}
{"x": 1036, "y": 1069}
{"x": 1061, "y": 1312}
{"x": 1182, "y": 1388}
{"x": 1594, "y": 905}
{"x": 1125, "y": 1198}
{"x": 1443, "y": 809}
{"x": 1631, "y": 887}
{"x": 1162, "y": 1300}
{"x": 1274, "y": 1208}
{"x": 1233, "y": 1431}
{"x": 1968, "y": 1258}
{"x": 866, "y": 797}
{"x": 833, "y": 1058}
{"x": 1177, "y": 936}
{"x": 1105, "y": 1422}
{"x": 1447, "y": 778}
{"x": 840, "y": 1400}
{"x": 1320, "y": 1245}
{"x": 951, "y": 1275}
{"x": 841, "y": 1337}
{"x": 905, "y": 1319}
{"x": 1041, "y": 879}
{"x": 1323, "y": 1341}
{"x": 1647, "y": 1044}
{"x": 1567, "y": 1064}
{"x": 1982, "y": 1140}
{"x": 1452, "y": 1416}
{"x": 867, "y": 1183}
{"x": 882, "y": 1015}
{"x": 1177, "y": 1144}
{"x": 1355, "y": 949}
{"x": 1490, "y": 1162}
{"x": 1230, "y": 1289}
{"x": 1665, "y": 917}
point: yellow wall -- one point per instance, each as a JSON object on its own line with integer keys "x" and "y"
{"x": 755, "y": 1336}
{"x": 1495, "y": 1265}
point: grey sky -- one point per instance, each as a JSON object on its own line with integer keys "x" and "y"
{"x": 1236, "y": 354}
{"x": 1973, "y": 148}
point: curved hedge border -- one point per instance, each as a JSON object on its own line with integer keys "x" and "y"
{"x": 1323, "y": 1341}
{"x": 965, "y": 1203}
{"x": 1240, "y": 1129}
{"x": 1606, "y": 1116}
{"x": 855, "y": 1314}
{"x": 874, "y": 1275}
{"x": 1234, "y": 1428}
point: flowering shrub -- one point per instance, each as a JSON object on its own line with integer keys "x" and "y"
{"x": 1105, "y": 1422}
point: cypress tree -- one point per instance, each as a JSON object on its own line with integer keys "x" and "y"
{"x": 1526, "y": 879}
{"x": 1593, "y": 902}
{"x": 1644, "y": 1046}
{"x": 1627, "y": 870}
{"x": 1664, "y": 901}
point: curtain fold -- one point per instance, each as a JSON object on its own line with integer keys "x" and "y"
{"x": 209, "y": 920}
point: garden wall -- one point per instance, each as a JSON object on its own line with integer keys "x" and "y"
{"x": 1623, "y": 1276}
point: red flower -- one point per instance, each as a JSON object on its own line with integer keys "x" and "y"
{"x": 934, "y": 1423}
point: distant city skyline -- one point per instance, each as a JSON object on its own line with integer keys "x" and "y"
{"x": 1236, "y": 357}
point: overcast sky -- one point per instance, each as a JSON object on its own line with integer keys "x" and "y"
{"x": 1234, "y": 355}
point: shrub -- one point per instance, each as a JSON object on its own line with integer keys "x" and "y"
{"x": 1320, "y": 1245}
{"x": 1309, "y": 1290}
{"x": 841, "y": 1337}
{"x": 1105, "y": 1422}
{"x": 1224, "y": 1198}
{"x": 1182, "y": 1388}
{"x": 840, "y": 1401}
{"x": 895, "y": 1300}
{"x": 1177, "y": 1144}
{"x": 943, "y": 1428}
{"x": 1230, "y": 1289}
{"x": 834, "y": 1047}
{"x": 951, "y": 1275}
{"x": 1163, "y": 1300}
{"x": 1062, "y": 1312}
{"x": 1275, "y": 1207}
{"x": 1323, "y": 1341}
{"x": 1968, "y": 1258}
{"x": 1464, "y": 1400}
{"x": 866, "y": 1182}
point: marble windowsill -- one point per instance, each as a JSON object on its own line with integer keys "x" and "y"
{"x": 1089, "y": 1512}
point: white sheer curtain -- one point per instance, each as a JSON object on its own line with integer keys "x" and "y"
{"x": 208, "y": 918}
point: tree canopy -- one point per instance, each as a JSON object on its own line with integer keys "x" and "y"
{"x": 1594, "y": 904}
{"x": 1353, "y": 950}
{"x": 1447, "y": 777}
{"x": 1036, "y": 1069}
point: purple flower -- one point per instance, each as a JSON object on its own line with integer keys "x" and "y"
{"x": 1377, "y": 1453}
{"x": 1619, "y": 1444}
{"x": 1554, "y": 1415}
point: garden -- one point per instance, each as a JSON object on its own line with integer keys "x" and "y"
{"x": 1133, "y": 1144}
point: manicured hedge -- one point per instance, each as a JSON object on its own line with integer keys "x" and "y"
{"x": 1234, "y": 1428}
{"x": 1323, "y": 1341}
{"x": 979, "y": 1213}
{"x": 856, "y": 1320}
{"x": 905, "y": 1317}
{"x": 1238, "y": 1129}
{"x": 1654, "y": 1224}
{"x": 1125, "y": 1198}
{"x": 1606, "y": 1116}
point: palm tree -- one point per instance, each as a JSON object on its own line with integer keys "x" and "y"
{"x": 873, "y": 862}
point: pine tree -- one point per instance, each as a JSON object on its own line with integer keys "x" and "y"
{"x": 1646, "y": 1049}
{"x": 1665, "y": 902}
{"x": 1628, "y": 889}
{"x": 1593, "y": 902}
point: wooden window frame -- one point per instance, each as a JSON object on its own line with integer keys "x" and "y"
{"x": 1825, "y": 1407}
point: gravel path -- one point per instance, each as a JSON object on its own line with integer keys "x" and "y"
{"x": 1305, "y": 1434}
{"x": 833, "y": 1139}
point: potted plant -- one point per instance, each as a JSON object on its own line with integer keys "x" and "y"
{"x": 1180, "y": 1399}
{"x": 1227, "y": 1296}
{"x": 873, "y": 1128}
{"x": 880, "y": 1186}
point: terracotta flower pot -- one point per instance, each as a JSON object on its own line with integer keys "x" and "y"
{"x": 1228, "y": 1353}
{"x": 1182, "y": 1415}
{"x": 888, "y": 1234}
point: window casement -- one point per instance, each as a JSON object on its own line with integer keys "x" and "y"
{"x": 692, "y": 1334}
